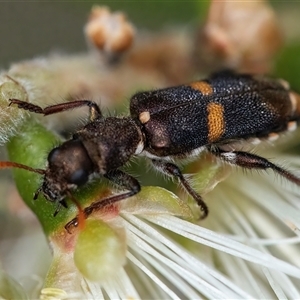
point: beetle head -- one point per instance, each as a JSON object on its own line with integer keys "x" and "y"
{"x": 69, "y": 166}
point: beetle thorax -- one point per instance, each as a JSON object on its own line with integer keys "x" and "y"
{"x": 111, "y": 142}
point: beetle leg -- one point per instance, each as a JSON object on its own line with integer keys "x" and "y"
{"x": 172, "y": 170}
{"x": 59, "y": 206}
{"x": 252, "y": 161}
{"x": 95, "y": 111}
{"x": 119, "y": 178}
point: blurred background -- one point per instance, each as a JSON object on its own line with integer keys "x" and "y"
{"x": 32, "y": 29}
{"x": 29, "y": 29}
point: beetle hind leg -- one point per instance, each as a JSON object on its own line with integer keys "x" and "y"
{"x": 251, "y": 161}
{"x": 172, "y": 170}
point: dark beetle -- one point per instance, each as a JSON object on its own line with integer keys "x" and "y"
{"x": 168, "y": 124}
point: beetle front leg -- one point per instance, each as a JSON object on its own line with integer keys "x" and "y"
{"x": 172, "y": 170}
{"x": 95, "y": 111}
{"x": 119, "y": 178}
{"x": 252, "y": 161}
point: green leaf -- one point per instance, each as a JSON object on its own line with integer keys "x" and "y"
{"x": 288, "y": 65}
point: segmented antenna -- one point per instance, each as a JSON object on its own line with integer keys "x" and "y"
{"x": 9, "y": 164}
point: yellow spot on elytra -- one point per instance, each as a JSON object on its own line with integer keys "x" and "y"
{"x": 215, "y": 121}
{"x": 144, "y": 117}
{"x": 203, "y": 87}
{"x": 273, "y": 136}
{"x": 284, "y": 83}
{"x": 294, "y": 101}
{"x": 292, "y": 125}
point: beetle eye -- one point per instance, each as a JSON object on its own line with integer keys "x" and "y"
{"x": 73, "y": 162}
{"x": 79, "y": 177}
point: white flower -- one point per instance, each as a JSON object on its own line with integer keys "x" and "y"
{"x": 249, "y": 248}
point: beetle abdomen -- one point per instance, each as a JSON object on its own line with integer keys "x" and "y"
{"x": 227, "y": 106}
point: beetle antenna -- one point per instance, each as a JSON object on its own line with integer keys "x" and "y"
{"x": 9, "y": 164}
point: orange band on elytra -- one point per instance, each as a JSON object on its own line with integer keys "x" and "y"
{"x": 215, "y": 121}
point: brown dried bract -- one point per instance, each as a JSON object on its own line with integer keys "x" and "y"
{"x": 110, "y": 32}
{"x": 240, "y": 35}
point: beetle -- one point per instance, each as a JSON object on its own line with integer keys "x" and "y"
{"x": 165, "y": 125}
